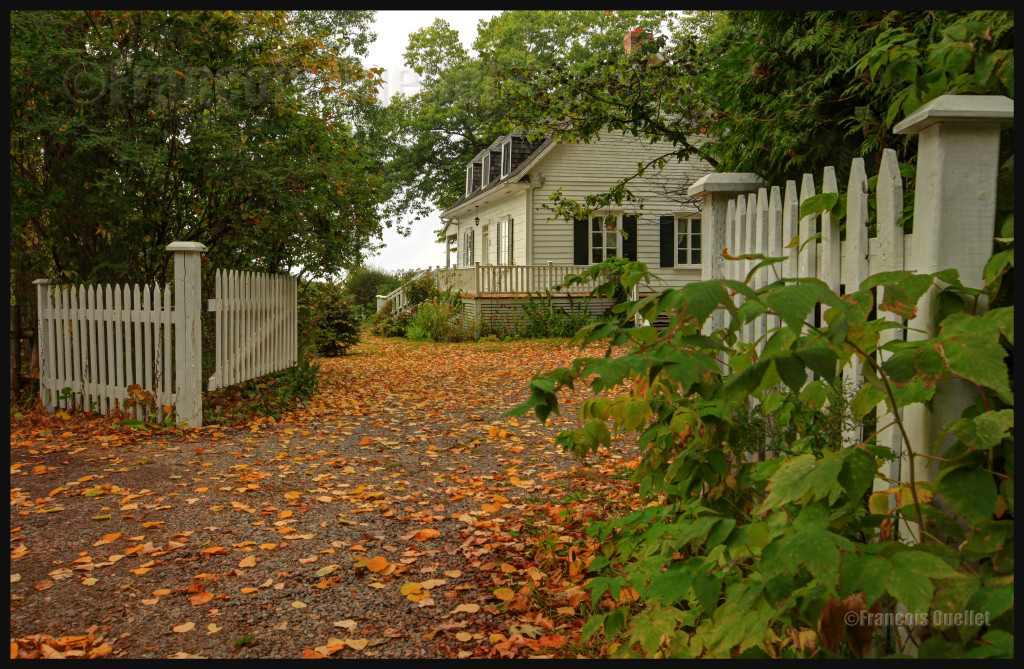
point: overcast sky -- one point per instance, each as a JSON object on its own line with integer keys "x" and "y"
{"x": 393, "y": 28}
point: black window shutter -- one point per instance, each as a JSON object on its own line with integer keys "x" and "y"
{"x": 629, "y": 241}
{"x": 580, "y": 247}
{"x": 668, "y": 241}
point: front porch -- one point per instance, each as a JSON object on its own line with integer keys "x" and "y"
{"x": 522, "y": 281}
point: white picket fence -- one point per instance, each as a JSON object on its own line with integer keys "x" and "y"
{"x": 768, "y": 222}
{"x": 953, "y": 227}
{"x": 139, "y": 350}
{"x": 98, "y": 344}
{"x": 257, "y": 325}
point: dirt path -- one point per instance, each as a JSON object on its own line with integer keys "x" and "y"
{"x": 397, "y": 516}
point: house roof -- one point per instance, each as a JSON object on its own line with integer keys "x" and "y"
{"x": 512, "y": 177}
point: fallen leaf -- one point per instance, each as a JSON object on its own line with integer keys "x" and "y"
{"x": 248, "y": 561}
{"x": 184, "y": 627}
{"x": 200, "y": 598}
{"x": 377, "y": 564}
{"x": 504, "y": 594}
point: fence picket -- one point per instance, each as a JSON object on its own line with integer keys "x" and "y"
{"x": 790, "y": 218}
{"x": 889, "y": 190}
{"x": 807, "y": 265}
{"x": 830, "y": 251}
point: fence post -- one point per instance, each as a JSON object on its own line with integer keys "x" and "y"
{"x": 954, "y": 224}
{"x": 717, "y": 189}
{"x": 188, "y": 344}
{"x": 45, "y": 360}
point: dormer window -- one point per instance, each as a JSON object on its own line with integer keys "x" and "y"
{"x": 472, "y": 177}
{"x": 506, "y": 157}
{"x": 487, "y": 169}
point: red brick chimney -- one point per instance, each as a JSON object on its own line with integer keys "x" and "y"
{"x": 634, "y": 37}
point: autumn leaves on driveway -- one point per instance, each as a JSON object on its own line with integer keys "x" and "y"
{"x": 398, "y": 515}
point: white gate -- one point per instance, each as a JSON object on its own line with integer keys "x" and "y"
{"x": 257, "y": 325}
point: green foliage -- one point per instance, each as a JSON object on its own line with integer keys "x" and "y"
{"x": 761, "y": 528}
{"x": 130, "y": 129}
{"x": 540, "y": 318}
{"x": 420, "y": 289}
{"x": 439, "y": 319}
{"x": 366, "y": 282}
{"x": 327, "y": 321}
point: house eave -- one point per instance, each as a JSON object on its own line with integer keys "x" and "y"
{"x": 466, "y": 207}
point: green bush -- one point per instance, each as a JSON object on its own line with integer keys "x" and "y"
{"x": 421, "y": 289}
{"x": 328, "y": 324}
{"x": 366, "y": 282}
{"x": 439, "y": 319}
{"x": 759, "y": 525}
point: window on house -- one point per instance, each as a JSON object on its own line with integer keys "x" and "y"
{"x": 505, "y": 242}
{"x": 688, "y": 243}
{"x": 486, "y": 179}
{"x": 604, "y": 238}
{"x": 467, "y": 247}
{"x": 469, "y": 179}
{"x": 506, "y": 157}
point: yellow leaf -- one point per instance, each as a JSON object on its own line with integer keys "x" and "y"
{"x": 213, "y": 628}
{"x": 467, "y": 608}
{"x": 298, "y": 605}
{"x": 504, "y": 594}
{"x": 356, "y": 644}
{"x": 463, "y": 636}
{"x": 184, "y": 627}
{"x": 411, "y": 587}
{"x": 248, "y": 561}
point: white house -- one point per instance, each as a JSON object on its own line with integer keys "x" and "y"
{"x": 509, "y": 243}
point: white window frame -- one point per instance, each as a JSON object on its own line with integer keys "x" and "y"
{"x": 485, "y": 177}
{"x": 469, "y": 178}
{"x": 506, "y": 151}
{"x": 504, "y": 254}
{"x": 468, "y": 251}
{"x": 608, "y": 237}
{"x": 694, "y": 241}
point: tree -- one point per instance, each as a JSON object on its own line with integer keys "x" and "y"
{"x": 775, "y": 92}
{"x": 133, "y": 129}
{"x": 461, "y": 109}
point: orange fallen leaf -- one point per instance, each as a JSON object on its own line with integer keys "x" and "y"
{"x": 200, "y": 598}
{"x": 308, "y": 654}
{"x": 249, "y": 591}
{"x": 212, "y": 550}
{"x": 426, "y": 533}
{"x": 248, "y": 561}
{"x": 466, "y": 608}
{"x": 377, "y": 564}
{"x": 184, "y": 627}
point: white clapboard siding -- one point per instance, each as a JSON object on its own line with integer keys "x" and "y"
{"x": 769, "y": 223}
{"x": 99, "y": 342}
{"x": 256, "y": 325}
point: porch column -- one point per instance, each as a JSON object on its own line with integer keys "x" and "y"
{"x": 447, "y": 251}
{"x": 717, "y": 189}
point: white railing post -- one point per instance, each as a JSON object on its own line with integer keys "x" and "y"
{"x": 954, "y": 223}
{"x": 717, "y": 190}
{"x": 188, "y": 381}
